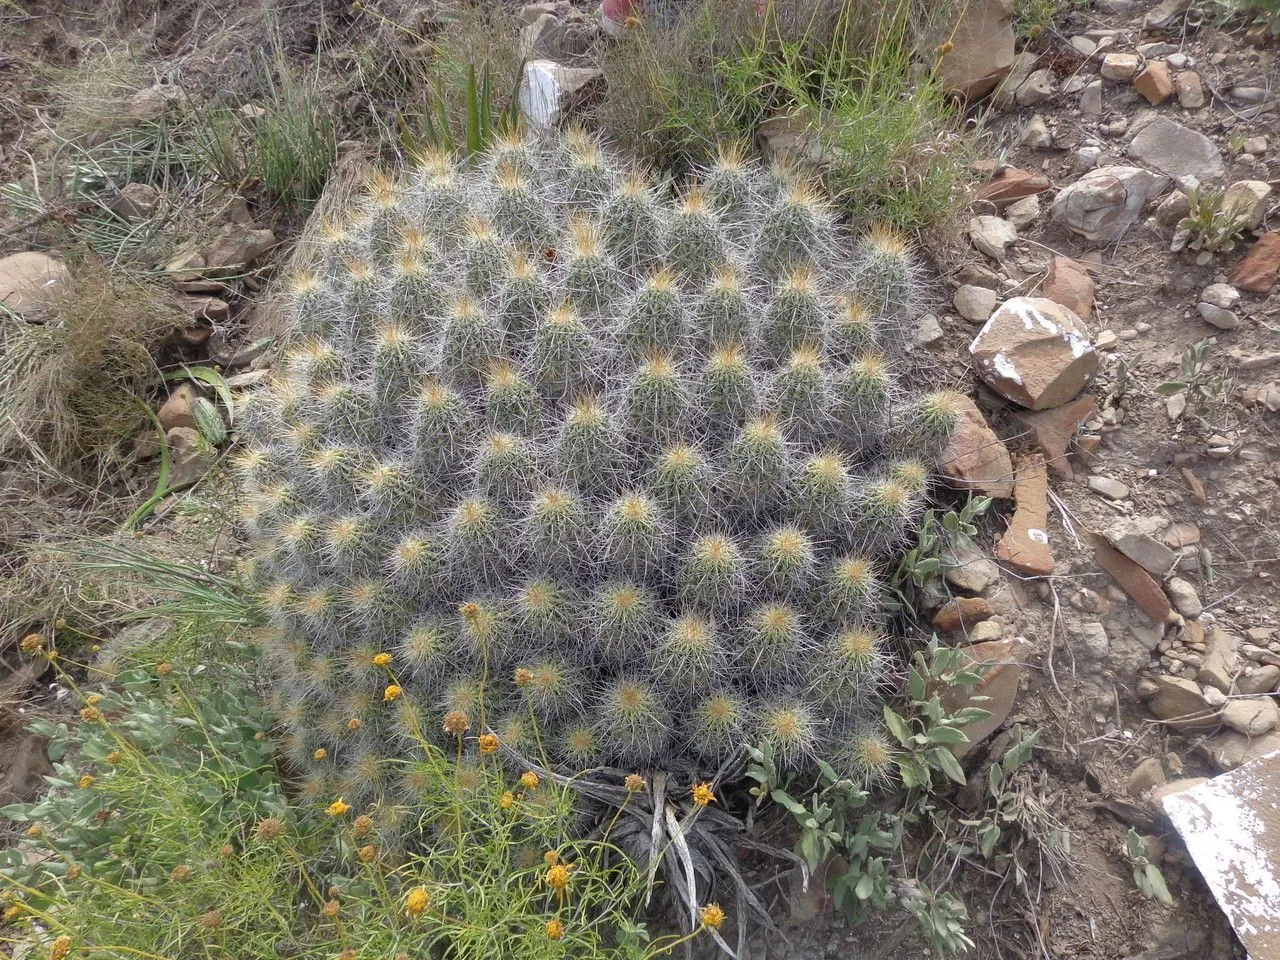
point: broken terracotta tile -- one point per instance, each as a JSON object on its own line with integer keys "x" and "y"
{"x": 1005, "y": 659}
{"x": 1025, "y": 545}
{"x": 1012, "y": 184}
{"x": 962, "y": 612}
{"x": 1052, "y": 430}
{"x": 1135, "y": 581}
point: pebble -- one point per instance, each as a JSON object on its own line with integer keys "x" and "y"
{"x": 1091, "y": 99}
{"x": 992, "y": 235}
{"x": 1221, "y": 295}
{"x": 1119, "y": 66}
{"x": 1036, "y": 133}
{"x": 1022, "y": 213}
{"x": 1109, "y": 488}
{"x": 1216, "y": 316}
{"x": 1185, "y": 599}
{"x": 1249, "y": 94}
{"x": 1086, "y": 159}
{"x": 974, "y": 303}
{"x": 1189, "y": 88}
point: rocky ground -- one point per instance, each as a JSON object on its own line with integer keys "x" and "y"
{"x": 1124, "y": 588}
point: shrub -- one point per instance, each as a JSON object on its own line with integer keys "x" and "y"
{"x": 566, "y": 449}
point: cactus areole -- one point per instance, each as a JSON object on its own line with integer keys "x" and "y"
{"x": 610, "y": 473}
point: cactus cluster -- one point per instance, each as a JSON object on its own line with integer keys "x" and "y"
{"x": 610, "y": 472}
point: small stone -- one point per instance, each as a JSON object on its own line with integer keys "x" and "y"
{"x": 211, "y": 309}
{"x": 1146, "y": 775}
{"x": 1156, "y": 49}
{"x": 1218, "y": 666}
{"x": 1036, "y": 134}
{"x": 1252, "y": 716}
{"x": 1091, "y": 100}
{"x": 1093, "y": 640}
{"x": 1248, "y": 94}
{"x": 1217, "y": 317}
{"x": 1034, "y": 352}
{"x": 1104, "y": 203}
{"x": 1254, "y": 146}
{"x": 249, "y": 379}
{"x": 1230, "y": 750}
{"x": 1154, "y": 82}
{"x": 1164, "y": 14}
{"x": 1025, "y": 545}
{"x": 1190, "y": 89}
{"x": 1132, "y": 578}
{"x": 1260, "y": 268}
{"x": 1119, "y": 66}
{"x": 1177, "y": 151}
{"x": 1053, "y": 429}
{"x": 1068, "y": 283}
{"x": 1212, "y": 695}
{"x": 975, "y": 458}
{"x": 986, "y": 631}
{"x": 549, "y": 90}
{"x": 1247, "y": 200}
{"x": 1185, "y": 599}
{"x": 179, "y": 409}
{"x": 1173, "y": 209}
{"x": 1258, "y": 680}
{"x": 1109, "y": 488}
{"x": 967, "y": 569}
{"x": 992, "y": 235}
{"x": 975, "y": 303}
{"x": 1135, "y": 537}
{"x": 1037, "y": 88}
{"x": 1085, "y": 159}
{"x": 235, "y": 248}
{"x": 1181, "y": 535}
{"x": 1083, "y": 46}
{"x": 1180, "y": 703}
{"x": 135, "y": 201}
{"x": 1221, "y": 295}
{"x": 192, "y": 456}
{"x": 928, "y": 331}
{"x": 962, "y": 613}
{"x": 1194, "y": 485}
{"x": 29, "y": 281}
{"x": 1022, "y": 213}
{"x": 1012, "y": 184}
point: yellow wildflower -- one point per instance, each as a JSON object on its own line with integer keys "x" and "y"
{"x": 488, "y": 743}
{"x": 164, "y": 669}
{"x": 61, "y": 947}
{"x": 34, "y": 830}
{"x": 416, "y": 903}
{"x": 181, "y": 872}
{"x": 702, "y": 794}
{"x": 392, "y": 693}
{"x": 86, "y": 781}
{"x": 508, "y": 800}
{"x": 635, "y": 782}
{"x": 331, "y": 909}
{"x": 90, "y": 714}
{"x": 456, "y": 723}
{"x": 353, "y": 723}
{"x": 523, "y": 676}
{"x": 320, "y": 753}
{"x": 382, "y": 660}
{"x": 529, "y": 780}
{"x": 557, "y": 878}
{"x": 113, "y": 757}
{"x": 93, "y": 699}
{"x": 551, "y": 858}
{"x": 368, "y": 853}
{"x": 31, "y": 643}
{"x": 712, "y": 916}
{"x": 337, "y": 808}
{"x": 555, "y": 930}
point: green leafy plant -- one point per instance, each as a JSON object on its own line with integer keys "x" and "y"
{"x": 938, "y": 530}
{"x": 1197, "y": 381}
{"x": 1146, "y": 875}
{"x": 942, "y": 919}
{"x": 484, "y": 118}
{"x": 1209, "y": 228}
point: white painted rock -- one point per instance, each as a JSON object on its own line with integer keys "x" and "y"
{"x": 547, "y": 88}
{"x": 1034, "y": 352}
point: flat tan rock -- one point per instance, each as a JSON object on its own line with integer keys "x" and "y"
{"x": 30, "y": 280}
{"x": 1053, "y": 430}
{"x": 1005, "y": 660}
{"x": 1034, "y": 352}
{"x": 976, "y": 459}
{"x": 1025, "y": 545}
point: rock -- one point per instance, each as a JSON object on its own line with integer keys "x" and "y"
{"x": 1083, "y": 46}
{"x": 1260, "y": 268}
{"x": 1036, "y": 133}
{"x": 1154, "y": 82}
{"x": 967, "y": 569}
{"x": 1052, "y": 430}
{"x": 1254, "y": 146}
{"x": 1180, "y": 703}
{"x": 1177, "y": 151}
{"x": 211, "y": 309}
{"x": 992, "y": 235}
{"x": 1004, "y": 661}
{"x": 1025, "y": 545}
{"x": 1219, "y": 664}
{"x": 1190, "y": 89}
{"x": 1221, "y": 295}
{"x": 135, "y": 201}
{"x": 1172, "y": 209}
{"x": 1022, "y": 213}
{"x": 1085, "y": 159}
{"x": 1135, "y": 537}
{"x": 1164, "y": 13}
{"x": 1069, "y": 284}
{"x": 982, "y": 49}
{"x": 1093, "y": 640}
{"x": 1109, "y": 488}
{"x": 1181, "y": 535}
{"x": 1247, "y": 200}
{"x": 1091, "y": 99}
{"x": 551, "y": 37}
{"x": 928, "y": 331}
{"x": 1217, "y": 317}
{"x": 1037, "y": 88}
{"x": 1185, "y": 599}
{"x": 1229, "y": 750}
{"x": 248, "y": 380}
{"x": 1146, "y": 775}
{"x": 1248, "y": 94}
{"x": 975, "y": 303}
{"x": 1105, "y": 202}
{"x": 1260, "y": 679}
{"x": 235, "y": 248}
{"x": 30, "y": 281}
{"x": 1034, "y": 352}
{"x": 976, "y": 459}
{"x": 179, "y": 409}
{"x": 151, "y": 102}
{"x": 962, "y": 613}
{"x": 1213, "y": 696}
{"x": 1012, "y": 184}
{"x": 787, "y": 137}
{"x": 1194, "y": 485}
{"x": 192, "y": 457}
{"x": 1252, "y": 716}
{"x": 548, "y": 90}
{"x": 1119, "y": 67}
{"x": 1132, "y": 579}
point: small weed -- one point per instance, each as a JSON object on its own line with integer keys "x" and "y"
{"x": 923, "y": 562}
{"x": 1146, "y": 875}
{"x": 1197, "y": 380}
{"x": 1209, "y": 228}
{"x": 1031, "y": 18}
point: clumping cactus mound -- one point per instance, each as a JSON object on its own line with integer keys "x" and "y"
{"x": 608, "y": 472}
